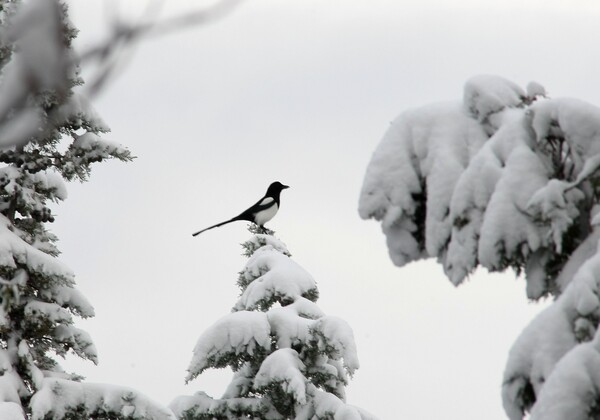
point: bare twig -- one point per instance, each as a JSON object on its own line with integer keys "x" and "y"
{"x": 44, "y": 63}
{"x": 125, "y": 36}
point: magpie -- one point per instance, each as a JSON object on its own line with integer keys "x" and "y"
{"x": 260, "y": 213}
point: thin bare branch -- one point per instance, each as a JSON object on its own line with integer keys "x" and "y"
{"x": 125, "y": 36}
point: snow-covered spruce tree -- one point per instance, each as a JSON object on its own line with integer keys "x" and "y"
{"x": 53, "y": 136}
{"x": 290, "y": 360}
{"x": 506, "y": 179}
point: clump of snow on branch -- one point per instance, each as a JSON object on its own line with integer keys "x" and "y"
{"x": 59, "y": 398}
{"x": 330, "y": 406}
{"x": 554, "y": 335}
{"x": 290, "y": 360}
{"x": 524, "y": 196}
{"x": 571, "y": 392}
{"x": 420, "y": 158}
{"x": 11, "y": 411}
{"x": 238, "y": 334}
{"x": 486, "y": 97}
{"x": 15, "y": 252}
{"x": 271, "y": 276}
{"x": 284, "y": 368}
{"x": 200, "y": 404}
{"x": 259, "y": 240}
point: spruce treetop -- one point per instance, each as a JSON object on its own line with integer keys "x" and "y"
{"x": 290, "y": 360}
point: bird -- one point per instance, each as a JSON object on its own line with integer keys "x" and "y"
{"x": 260, "y": 213}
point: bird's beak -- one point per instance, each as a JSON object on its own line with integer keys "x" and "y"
{"x": 283, "y": 187}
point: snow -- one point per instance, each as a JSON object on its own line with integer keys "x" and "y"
{"x": 306, "y": 308}
{"x": 573, "y": 386}
{"x": 434, "y": 143}
{"x": 329, "y": 406}
{"x": 200, "y": 403}
{"x": 288, "y": 326}
{"x": 79, "y": 341}
{"x": 470, "y": 180}
{"x": 284, "y": 368}
{"x": 259, "y": 240}
{"x": 14, "y": 251}
{"x": 241, "y": 383}
{"x": 90, "y": 141}
{"x": 488, "y": 201}
{"x": 48, "y": 311}
{"x": 535, "y": 89}
{"x": 577, "y": 121}
{"x": 553, "y": 334}
{"x": 533, "y": 356}
{"x": 52, "y": 181}
{"x": 11, "y": 411}
{"x": 506, "y": 226}
{"x": 583, "y": 253}
{"x": 57, "y": 397}
{"x": 273, "y": 275}
{"x": 79, "y": 111}
{"x": 73, "y": 298}
{"x": 471, "y": 196}
{"x": 554, "y": 203}
{"x": 10, "y": 384}
{"x": 236, "y": 333}
{"x": 8, "y": 177}
{"x": 336, "y": 337}
{"x": 485, "y": 95}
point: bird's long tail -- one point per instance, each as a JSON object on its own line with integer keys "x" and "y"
{"x": 217, "y": 225}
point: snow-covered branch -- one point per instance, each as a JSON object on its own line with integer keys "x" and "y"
{"x": 504, "y": 179}
{"x": 60, "y": 399}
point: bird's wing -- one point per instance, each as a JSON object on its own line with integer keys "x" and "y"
{"x": 261, "y": 205}
{"x": 264, "y": 203}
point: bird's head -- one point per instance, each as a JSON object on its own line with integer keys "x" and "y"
{"x": 275, "y": 188}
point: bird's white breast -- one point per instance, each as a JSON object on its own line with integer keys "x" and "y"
{"x": 264, "y": 216}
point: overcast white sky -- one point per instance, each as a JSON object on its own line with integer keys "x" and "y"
{"x": 301, "y": 91}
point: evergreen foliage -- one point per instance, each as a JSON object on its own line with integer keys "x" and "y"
{"x": 49, "y": 134}
{"x": 290, "y": 360}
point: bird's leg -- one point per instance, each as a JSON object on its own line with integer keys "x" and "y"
{"x": 263, "y": 230}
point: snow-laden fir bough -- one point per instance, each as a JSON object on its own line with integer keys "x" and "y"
{"x": 509, "y": 178}
{"x": 55, "y": 136}
{"x": 290, "y": 360}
